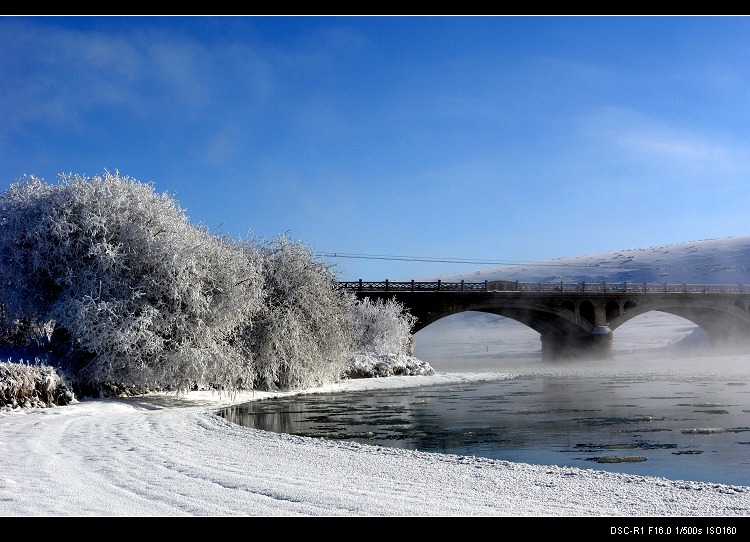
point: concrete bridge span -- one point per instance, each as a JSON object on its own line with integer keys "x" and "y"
{"x": 574, "y": 320}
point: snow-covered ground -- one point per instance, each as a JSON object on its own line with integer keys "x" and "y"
{"x": 162, "y": 455}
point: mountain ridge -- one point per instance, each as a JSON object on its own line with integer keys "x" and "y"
{"x": 708, "y": 261}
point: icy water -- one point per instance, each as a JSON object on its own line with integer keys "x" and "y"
{"x": 649, "y": 411}
{"x": 679, "y": 428}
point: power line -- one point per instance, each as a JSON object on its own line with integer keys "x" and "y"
{"x": 417, "y": 259}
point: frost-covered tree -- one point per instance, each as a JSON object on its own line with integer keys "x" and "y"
{"x": 382, "y": 340}
{"x": 382, "y": 326}
{"x": 108, "y": 279}
{"x": 117, "y": 281}
{"x": 303, "y": 338}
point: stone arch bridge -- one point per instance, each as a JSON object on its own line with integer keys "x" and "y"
{"x": 574, "y": 319}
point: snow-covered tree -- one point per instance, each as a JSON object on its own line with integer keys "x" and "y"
{"x": 114, "y": 277}
{"x": 108, "y": 279}
{"x": 382, "y": 326}
{"x": 303, "y": 338}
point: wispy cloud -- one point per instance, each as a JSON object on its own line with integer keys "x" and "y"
{"x": 680, "y": 148}
{"x": 55, "y": 75}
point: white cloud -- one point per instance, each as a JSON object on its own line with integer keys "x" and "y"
{"x": 644, "y": 141}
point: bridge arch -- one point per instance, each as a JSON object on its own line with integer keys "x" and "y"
{"x": 587, "y": 311}
{"x": 479, "y": 335}
{"x": 630, "y": 335}
{"x": 727, "y": 325}
{"x": 612, "y": 310}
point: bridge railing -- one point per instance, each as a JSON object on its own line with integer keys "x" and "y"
{"x": 549, "y": 287}
{"x": 414, "y": 286}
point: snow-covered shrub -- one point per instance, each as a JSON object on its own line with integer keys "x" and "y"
{"x": 382, "y": 340}
{"x": 371, "y": 365}
{"x": 382, "y": 326}
{"x": 32, "y": 385}
{"x": 123, "y": 287}
{"x": 303, "y": 338}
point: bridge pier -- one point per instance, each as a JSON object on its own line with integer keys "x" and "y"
{"x": 596, "y": 345}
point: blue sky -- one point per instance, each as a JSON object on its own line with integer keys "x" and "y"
{"x": 470, "y": 139}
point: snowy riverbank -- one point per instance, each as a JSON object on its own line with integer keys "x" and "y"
{"x": 166, "y": 456}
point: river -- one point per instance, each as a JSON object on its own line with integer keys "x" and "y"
{"x": 657, "y": 408}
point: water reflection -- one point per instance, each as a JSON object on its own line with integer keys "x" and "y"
{"x": 692, "y": 429}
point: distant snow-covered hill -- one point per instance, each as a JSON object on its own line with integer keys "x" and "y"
{"x": 710, "y": 261}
